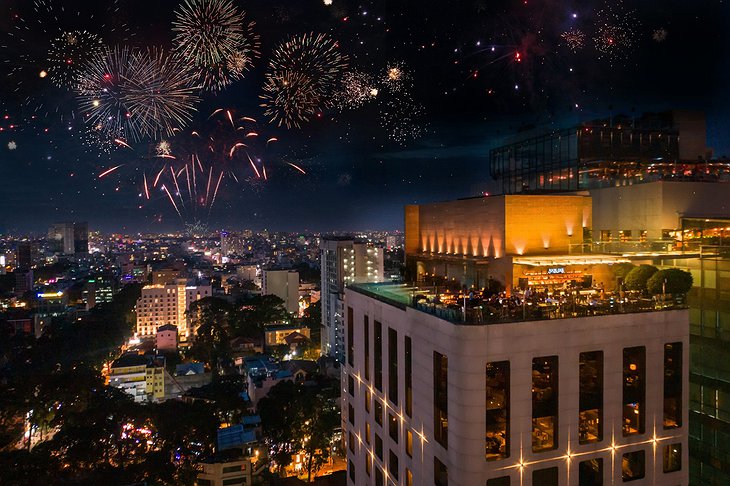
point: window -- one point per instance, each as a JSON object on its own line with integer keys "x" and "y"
{"x": 497, "y": 410}
{"x": 368, "y": 398}
{"x": 393, "y": 464}
{"x": 366, "y": 346}
{"x": 632, "y": 466}
{"x": 605, "y": 235}
{"x": 672, "y": 385}
{"x": 643, "y": 236}
{"x": 351, "y": 413}
{"x": 500, "y": 481}
{"x": 590, "y": 407}
{"x": 544, "y": 403}
{"x": 590, "y": 472}
{"x": 408, "y": 377}
{"x": 368, "y": 464}
{"x": 440, "y": 473}
{"x": 378, "y": 477}
{"x": 351, "y": 385}
{"x": 378, "y": 355}
{"x": 393, "y": 366}
{"x": 440, "y": 399}
{"x": 545, "y": 477}
{"x": 378, "y": 447}
{"x": 634, "y": 390}
{"x": 351, "y": 441}
{"x": 351, "y": 469}
{"x": 393, "y": 427}
{"x": 672, "y": 458}
{"x": 367, "y": 432}
{"x": 409, "y": 477}
{"x": 232, "y": 469}
{"x": 409, "y": 443}
{"x": 234, "y": 481}
{"x": 350, "y": 338}
{"x": 378, "y": 411}
{"x": 624, "y": 235}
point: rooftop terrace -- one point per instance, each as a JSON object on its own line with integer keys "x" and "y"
{"x": 474, "y": 308}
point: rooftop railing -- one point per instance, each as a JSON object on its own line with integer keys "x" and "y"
{"x": 473, "y": 308}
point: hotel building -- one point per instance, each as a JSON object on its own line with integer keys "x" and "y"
{"x": 658, "y": 194}
{"x": 167, "y": 304}
{"x": 437, "y": 390}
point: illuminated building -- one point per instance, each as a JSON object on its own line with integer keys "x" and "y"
{"x": 283, "y": 284}
{"x": 475, "y": 240}
{"x": 343, "y": 262}
{"x": 166, "y": 304}
{"x": 664, "y": 202}
{"x": 664, "y": 146}
{"x": 99, "y": 289}
{"x": 138, "y": 376}
{"x": 579, "y": 398}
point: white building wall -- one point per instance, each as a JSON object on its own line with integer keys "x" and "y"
{"x": 468, "y": 349}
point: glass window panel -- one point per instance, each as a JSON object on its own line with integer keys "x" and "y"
{"x": 501, "y": 481}
{"x": 497, "y": 410}
{"x": 350, "y": 338}
{"x": 393, "y": 427}
{"x": 634, "y": 391}
{"x": 672, "y": 458}
{"x": 366, "y": 346}
{"x": 393, "y": 366}
{"x": 545, "y": 477}
{"x": 408, "y": 377}
{"x": 440, "y": 398}
{"x": 672, "y": 385}
{"x": 590, "y": 472}
{"x": 378, "y": 355}
{"x": 590, "y": 412}
{"x": 544, "y": 403}
{"x": 633, "y": 466}
{"x": 393, "y": 464}
{"x": 440, "y": 473}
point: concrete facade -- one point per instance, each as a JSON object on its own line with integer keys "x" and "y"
{"x": 468, "y": 349}
{"x": 655, "y": 206}
{"x": 283, "y": 284}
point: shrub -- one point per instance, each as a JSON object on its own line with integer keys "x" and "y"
{"x": 636, "y": 279}
{"x": 677, "y": 281}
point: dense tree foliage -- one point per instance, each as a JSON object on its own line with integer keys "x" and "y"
{"x": 670, "y": 281}
{"x": 636, "y": 279}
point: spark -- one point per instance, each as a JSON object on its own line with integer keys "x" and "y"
{"x": 297, "y": 167}
{"x": 109, "y": 171}
{"x": 122, "y": 143}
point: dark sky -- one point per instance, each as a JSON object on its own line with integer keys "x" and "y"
{"x": 478, "y": 71}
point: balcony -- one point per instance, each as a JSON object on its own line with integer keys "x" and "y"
{"x": 474, "y": 308}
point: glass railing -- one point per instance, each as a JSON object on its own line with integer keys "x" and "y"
{"x": 477, "y": 309}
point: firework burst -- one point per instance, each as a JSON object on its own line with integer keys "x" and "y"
{"x": 615, "y": 32}
{"x": 160, "y": 92}
{"x": 215, "y": 36}
{"x": 136, "y": 95}
{"x": 396, "y": 77}
{"x": 301, "y": 79}
{"x": 68, "y": 52}
{"x": 102, "y": 88}
{"x": 356, "y": 89}
{"x": 575, "y": 39}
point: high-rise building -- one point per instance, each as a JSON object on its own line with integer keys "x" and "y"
{"x": 70, "y": 238}
{"x": 343, "y": 262}
{"x": 81, "y": 238}
{"x": 166, "y": 304}
{"x": 657, "y": 194}
{"x": 509, "y": 361}
{"x": 579, "y": 400}
{"x": 283, "y": 284}
{"x": 24, "y": 255}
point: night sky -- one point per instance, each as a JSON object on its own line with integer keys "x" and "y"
{"x": 474, "y": 72}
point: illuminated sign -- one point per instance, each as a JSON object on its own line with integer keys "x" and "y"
{"x": 49, "y": 295}
{"x": 556, "y": 270}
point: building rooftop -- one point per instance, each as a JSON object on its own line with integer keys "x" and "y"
{"x": 475, "y": 308}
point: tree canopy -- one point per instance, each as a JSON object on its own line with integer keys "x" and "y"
{"x": 636, "y": 279}
{"x": 671, "y": 281}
